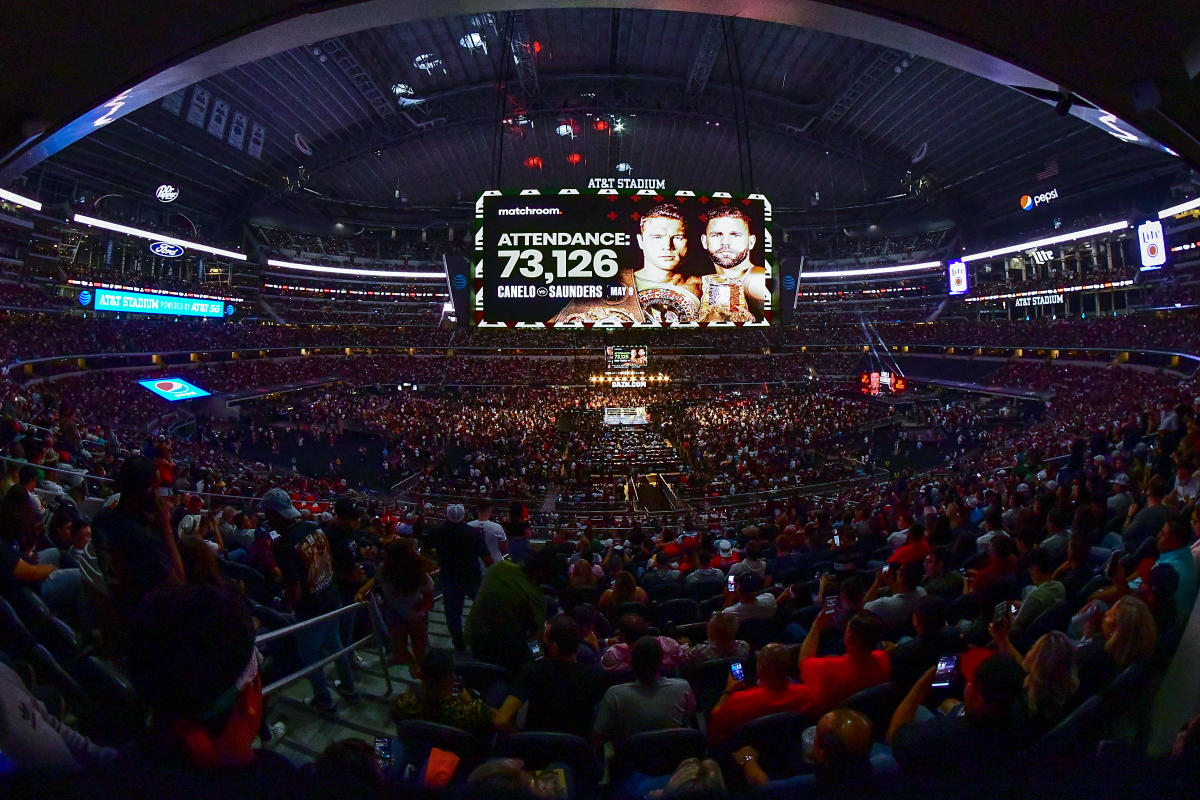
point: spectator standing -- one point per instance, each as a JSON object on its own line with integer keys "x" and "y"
{"x": 303, "y": 554}
{"x": 459, "y": 549}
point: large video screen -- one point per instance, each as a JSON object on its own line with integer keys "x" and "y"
{"x": 147, "y": 303}
{"x": 622, "y": 356}
{"x": 611, "y": 259}
{"x": 173, "y": 388}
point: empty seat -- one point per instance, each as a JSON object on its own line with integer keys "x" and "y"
{"x": 679, "y": 611}
{"x": 655, "y": 752}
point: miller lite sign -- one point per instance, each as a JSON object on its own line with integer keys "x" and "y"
{"x": 1150, "y": 239}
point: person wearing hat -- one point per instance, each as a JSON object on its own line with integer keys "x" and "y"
{"x": 726, "y": 555}
{"x": 1120, "y": 500}
{"x": 304, "y": 557}
{"x": 459, "y": 549}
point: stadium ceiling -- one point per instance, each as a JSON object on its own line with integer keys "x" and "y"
{"x": 374, "y": 103}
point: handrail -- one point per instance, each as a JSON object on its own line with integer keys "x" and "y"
{"x": 376, "y": 634}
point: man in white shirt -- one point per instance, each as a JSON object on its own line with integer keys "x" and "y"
{"x": 493, "y": 532}
{"x": 750, "y": 604}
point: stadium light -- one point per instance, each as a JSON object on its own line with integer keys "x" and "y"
{"x": 1179, "y": 209}
{"x": 13, "y": 197}
{"x": 373, "y": 273}
{"x": 852, "y": 273}
{"x": 1065, "y": 237}
{"x": 156, "y": 237}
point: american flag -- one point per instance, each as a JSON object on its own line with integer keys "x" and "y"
{"x": 1048, "y": 170}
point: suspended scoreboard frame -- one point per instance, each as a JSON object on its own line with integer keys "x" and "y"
{"x": 764, "y": 249}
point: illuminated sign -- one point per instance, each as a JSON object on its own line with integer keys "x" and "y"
{"x": 957, "y": 277}
{"x": 143, "y": 303}
{"x": 1028, "y": 203}
{"x": 1060, "y": 290}
{"x": 1112, "y": 227}
{"x": 629, "y": 383}
{"x": 1038, "y": 300}
{"x": 174, "y": 389}
{"x": 657, "y": 184}
{"x": 1040, "y": 256}
{"x": 1150, "y": 240}
{"x": 83, "y": 219}
{"x": 580, "y": 258}
{"x": 625, "y": 357}
{"x": 166, "y": 249}
{"x": 166, "y": 193}
{"x": 85, "y": 298}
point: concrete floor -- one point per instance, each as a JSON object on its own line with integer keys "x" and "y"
{"x": 309, "y": 732}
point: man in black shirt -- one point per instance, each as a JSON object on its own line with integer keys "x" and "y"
{"x": 304, "y": 557}
{"x": 344, "y": 542}
{"x": 913, "y": 657}
{"x": 459, "y": 549}
{"x": 562, "y": 693}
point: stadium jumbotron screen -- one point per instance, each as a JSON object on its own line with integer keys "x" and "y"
{"x": 617, "y": 356}
{"x": 603, "y": 258}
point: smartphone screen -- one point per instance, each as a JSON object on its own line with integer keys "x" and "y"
{"x": 738, "y": 671}
{"x": 732, "y": 583}
{"x": 837, "y": 540}
{"x": 383, "y": 751}
{"x": 1012, "y": 609}
{"x": 1001, "y": 613}
{"x": 947, "y": 668}
{"x": 535, "y": 649}
{"x": 831, "y": 605}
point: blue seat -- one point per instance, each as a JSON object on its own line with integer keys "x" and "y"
{"x": 778, "y": 738}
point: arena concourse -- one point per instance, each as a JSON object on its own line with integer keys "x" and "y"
{"x": 597, "y": 403}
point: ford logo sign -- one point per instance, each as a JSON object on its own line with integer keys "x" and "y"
{"x": 166, "y": 193}
{"x": 85, "y": 298}
{"x": 459, "y": 281}
{"x": 166, "y": 250}
{"x": 789, "y": 282}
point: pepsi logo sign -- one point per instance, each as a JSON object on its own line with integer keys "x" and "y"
{"x": 173, "y": 388}
{"x": 166, "y": 193}
{"x": 166, "y": 249}
{"x": 459, "y": 281}
{"x": 85, "y": 298}
{"x": 1028, "y": 202}
{"x": 789, "y": 282}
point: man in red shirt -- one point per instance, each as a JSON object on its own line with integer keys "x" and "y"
{"x": 914, "y": 549}
{"x": 773, "y": 694}
{"x": 832, "y": 679}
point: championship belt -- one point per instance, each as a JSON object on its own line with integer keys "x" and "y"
{"x": 723, "y": 299}
{"x": 598, "y": 313}
{"x": 664, "y": 304}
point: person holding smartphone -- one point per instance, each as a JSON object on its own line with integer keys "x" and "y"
{"x": 775, "y": 693}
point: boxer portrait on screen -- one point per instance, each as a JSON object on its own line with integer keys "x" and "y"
{"x": 666, "y": 291}
{"x": 738, "y": 291}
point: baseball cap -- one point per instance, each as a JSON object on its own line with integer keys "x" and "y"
{"x": 1121, "y": 479}
{"x": 725, "y": 547}
{"x": 277, "y": 500}
{"x": 455, "y": 512}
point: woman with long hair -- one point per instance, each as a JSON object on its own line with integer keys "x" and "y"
{"x": 407, "y": 592}
{"x": 624, "y": 590}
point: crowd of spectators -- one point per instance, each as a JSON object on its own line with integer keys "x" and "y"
{"x": 1050, "y": 555}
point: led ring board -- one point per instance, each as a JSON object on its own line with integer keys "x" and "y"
{"x": 607, "y": 258}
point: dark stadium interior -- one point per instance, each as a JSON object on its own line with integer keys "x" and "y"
{"x": 795, "y": 399}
